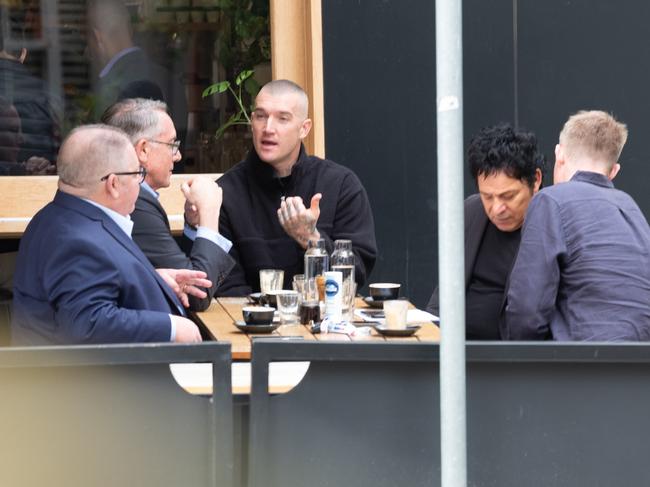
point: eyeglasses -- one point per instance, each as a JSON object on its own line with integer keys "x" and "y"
{"x": 142, "y": 172}
{"x": 176, "y": 145}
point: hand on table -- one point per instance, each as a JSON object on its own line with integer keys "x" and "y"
{"x": 298, "y": 221}
{"x": 185, "y": 282}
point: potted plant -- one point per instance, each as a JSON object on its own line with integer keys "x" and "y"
{"x": 232, "y": 139}
{"x": 244, "y": 84}
{"x": 243, "y": 45}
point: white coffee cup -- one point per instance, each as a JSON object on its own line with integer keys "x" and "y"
{"x": 395, "y": 312}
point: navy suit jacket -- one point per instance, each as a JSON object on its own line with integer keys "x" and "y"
{"x": 152, "y": 233}
{"x": 80, "y": 279}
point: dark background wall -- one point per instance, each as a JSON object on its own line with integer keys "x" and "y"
{"x": 526, "y": 62}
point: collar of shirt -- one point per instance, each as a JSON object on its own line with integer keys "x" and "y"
{"x": 124, "y": 222}
{"x": 106, "y": 69}
{"x": 593, "y": 178}
{"x": 149, "y": 190}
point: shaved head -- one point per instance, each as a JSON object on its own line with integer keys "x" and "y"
{"x": 286, "y": 87}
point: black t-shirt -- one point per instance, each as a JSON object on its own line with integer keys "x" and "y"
{"x": 487, "y": 284}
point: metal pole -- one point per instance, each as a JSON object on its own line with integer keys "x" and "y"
{"x": 449, "y": 75}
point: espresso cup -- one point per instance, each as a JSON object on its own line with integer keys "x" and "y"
{"x": 382, "y": 291}
{"x": 257, "y": 315}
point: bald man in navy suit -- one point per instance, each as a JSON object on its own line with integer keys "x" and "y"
{"x": 80, "y": 278}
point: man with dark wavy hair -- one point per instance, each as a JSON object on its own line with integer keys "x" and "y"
{"x": 507, "y": 168}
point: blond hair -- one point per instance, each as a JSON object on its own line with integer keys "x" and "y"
{"x": 593, "y": 134}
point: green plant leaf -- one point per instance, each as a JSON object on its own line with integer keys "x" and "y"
{"x": 244, "y": 75}
{"x": 252, "y": 87}
{"x": 219, "y": 87}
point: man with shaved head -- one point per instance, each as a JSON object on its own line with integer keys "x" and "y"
{"x": 79, "y": 276}
{"x": 279, "y": 198}
{"x": 583, "y": 267}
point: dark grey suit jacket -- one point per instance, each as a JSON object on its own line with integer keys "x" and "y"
{"x": 475, "y": 223}
{"x": 152, "y": 234}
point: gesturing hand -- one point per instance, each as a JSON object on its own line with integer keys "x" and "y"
{"x": 184, "y": 282}
{"x": 203, "y": 198}
{"x": 298, "y": 221}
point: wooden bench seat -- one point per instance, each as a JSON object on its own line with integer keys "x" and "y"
{"x": 22, "y": 196}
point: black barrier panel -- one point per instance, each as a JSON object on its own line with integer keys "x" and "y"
{"x": 368, "y": 414}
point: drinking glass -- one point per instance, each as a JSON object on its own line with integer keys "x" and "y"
{"x": 288, "y": 306}
{"x": 349, "y": 295}
{"x": 271, "y": 280}
{"x": 299, "y": 283}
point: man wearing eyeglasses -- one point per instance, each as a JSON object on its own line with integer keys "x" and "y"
{"x": 152, "y": 133}
{"x": 79, "y": 277}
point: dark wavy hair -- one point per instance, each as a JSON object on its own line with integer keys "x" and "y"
{"x": 501, "y": 149}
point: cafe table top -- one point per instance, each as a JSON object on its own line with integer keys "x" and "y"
{"x": 218, "y": 322}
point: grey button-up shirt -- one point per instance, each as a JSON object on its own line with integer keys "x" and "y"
{"x": 583, "y": 267}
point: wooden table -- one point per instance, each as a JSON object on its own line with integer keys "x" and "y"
{"x": 218, "y": 322}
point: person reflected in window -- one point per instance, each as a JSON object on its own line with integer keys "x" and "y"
{"x": 29, "y": 109}
{"x": 508, "y": 170}
{"x": 11, "y": 141}
{"x": 123, "y": 69}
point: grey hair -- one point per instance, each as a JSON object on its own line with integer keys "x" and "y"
{"x": 90, "y": 152}
{"x": 139, "y": 118}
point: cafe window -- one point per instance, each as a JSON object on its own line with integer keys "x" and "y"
{"x": 62, "y": 62}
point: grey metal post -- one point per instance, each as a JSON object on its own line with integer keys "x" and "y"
{"x": 449, "y": 75}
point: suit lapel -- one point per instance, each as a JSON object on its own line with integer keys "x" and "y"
{"x": 147, "y": 197}
{"x": 475, "y": 223}
{"x": 92, "y": 212}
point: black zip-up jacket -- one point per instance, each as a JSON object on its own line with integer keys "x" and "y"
{"x": 251, "y": 197}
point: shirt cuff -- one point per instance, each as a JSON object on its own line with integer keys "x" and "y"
{"x": 215, "y": 237}
{"x": 189, "y": 232}
{"x": 173, "y": 334}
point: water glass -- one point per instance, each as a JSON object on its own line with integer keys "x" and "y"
{"x": 288, "y": 306}
{"x": 271, "y": 280}
{"x": 349, "y": 295}
{"x": 310, "y": 290}
{"x": 299, "y": 283}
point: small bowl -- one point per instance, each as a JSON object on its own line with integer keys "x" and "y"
{"x": 382, "y": 291}
{"x": 257, "y": 315}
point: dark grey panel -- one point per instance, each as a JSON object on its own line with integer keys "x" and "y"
{"x": 543, "y": 414}
{"x": 588, "y": 54}
{"x": 379, "y": 70}
{"x": 379, "y": 65}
